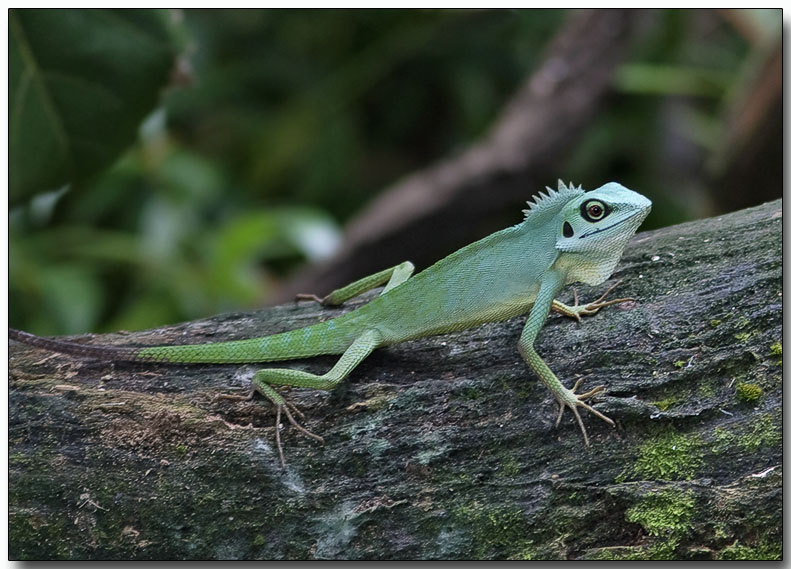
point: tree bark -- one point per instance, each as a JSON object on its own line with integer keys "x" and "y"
{"x": 438, "y": 448}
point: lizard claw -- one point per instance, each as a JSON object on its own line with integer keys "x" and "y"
{"x": 284, "y": 407}
{"x": 305, "y": 296}
{"x": 577, "y": 310}
{"x": 594, "y": 306}
{"x": 587, "y": 394}
{"x": 575, "y": 313}
{"x": 571, "y": 400}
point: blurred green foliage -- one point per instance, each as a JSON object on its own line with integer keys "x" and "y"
{"x": 73, "y": 107}
{"x": 328, "y": 107}
{"x": 292, "y": 120}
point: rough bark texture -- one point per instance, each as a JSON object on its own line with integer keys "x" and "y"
{"x": 439, "y": 448}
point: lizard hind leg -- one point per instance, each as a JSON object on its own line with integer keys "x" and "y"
{"x": 393, "y": 276}
{"x": 573, "y": 401}
{"x": 264, "y": 379}
{"x": 282, "y": 405}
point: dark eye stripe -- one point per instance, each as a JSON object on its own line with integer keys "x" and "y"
{"x": 595, "y": 231}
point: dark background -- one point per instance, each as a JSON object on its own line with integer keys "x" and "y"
{"x": 171, "y": 165}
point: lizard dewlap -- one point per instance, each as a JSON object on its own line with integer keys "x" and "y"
{"x": 568, "y": 235}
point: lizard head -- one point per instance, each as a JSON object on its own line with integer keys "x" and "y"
{"x": 594, "y": 228}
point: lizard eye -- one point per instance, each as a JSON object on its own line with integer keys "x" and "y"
{"x": 594, "y": 210}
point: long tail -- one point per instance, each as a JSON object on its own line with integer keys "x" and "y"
{"x": 329, "y": 337}
{"x": 114, "y": 353}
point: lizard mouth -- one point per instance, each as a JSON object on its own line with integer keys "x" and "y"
{"x": 617, "y": 223}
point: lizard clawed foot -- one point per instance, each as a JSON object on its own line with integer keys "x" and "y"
{"x": 577, "y": 311}
{"x": 570, "y": 399}
{"x": 284, "y": 407}
{"x": 250, "y": 396}
{"x": 596, "y": 305}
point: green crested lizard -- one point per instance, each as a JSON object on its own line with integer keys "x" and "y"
{"x": 568, "y": 235}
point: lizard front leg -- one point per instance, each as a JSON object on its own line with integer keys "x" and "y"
{"x": 550, "y": 285}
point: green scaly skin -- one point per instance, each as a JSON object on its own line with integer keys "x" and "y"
{"x": 567, "y": 236}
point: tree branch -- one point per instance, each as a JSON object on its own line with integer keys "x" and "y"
{"x": 438, "y": 448}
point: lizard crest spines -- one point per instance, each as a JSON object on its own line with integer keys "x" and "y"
{"x": 553, "y": 200}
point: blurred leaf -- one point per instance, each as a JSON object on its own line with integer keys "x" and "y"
{"x": 57, "y": 287}
{"x": 144, "y": 311}
{"x": 68, "y": 298}
{"x": 72, "y": 296}
{"x": 80, "y": 82}
{"x": 86, "y": 243}
{"x": 240, "y": 246}
{"x": 672, "y": 80}
{"x": 286, "y": 141}
{"x": 314, "y": 234}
